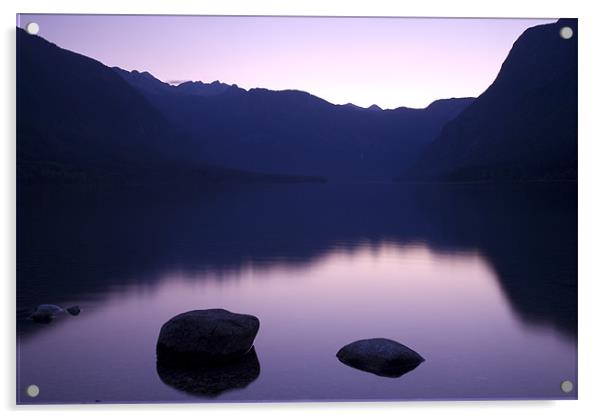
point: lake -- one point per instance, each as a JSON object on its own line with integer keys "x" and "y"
{"x": 481, "y": 280}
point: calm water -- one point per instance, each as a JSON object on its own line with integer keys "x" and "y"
{"x": 480, "y": 280}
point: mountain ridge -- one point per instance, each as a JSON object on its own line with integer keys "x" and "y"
{"x": 523, "y": 127}
{"x": 132, "y": 76}
{"x": 297, "y": 132}
{"x": 78, "y": 121}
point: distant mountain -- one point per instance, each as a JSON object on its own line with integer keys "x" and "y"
{"x": 149, "y": 84}
{"x": 78, "y": 120}
{"x": 295, "y": 132}
{"x": 202, "y": 89}
{"x": 524, "y": 126}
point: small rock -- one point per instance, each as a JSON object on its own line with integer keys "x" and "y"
{"x": 45, "y": 313}
{"x": 380, "y": 356}
{"x": 73, "y": 310}
{"x": 202, "y": 337}
{"x": 49, "y": 308}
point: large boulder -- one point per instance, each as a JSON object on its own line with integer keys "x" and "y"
{"x": 212, "y": 380}
{"x": 380, "y": 356}
{"x": 203, "y": 337}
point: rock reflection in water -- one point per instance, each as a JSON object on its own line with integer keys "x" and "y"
{"x": 212, "y": 380}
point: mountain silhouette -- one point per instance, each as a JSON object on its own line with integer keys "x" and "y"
{"x": 293, "y": 131}
{"x": 77, "y": 120}
{"x": 148, "y": 83}
{"x": 524, "y": 126}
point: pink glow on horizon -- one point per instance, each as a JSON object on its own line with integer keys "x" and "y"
{"x": 390, "y": 62}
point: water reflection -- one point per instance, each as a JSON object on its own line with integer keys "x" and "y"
{"x": 481, "y": 282}
{"x": 73, "y": 242}
{"x": 212, "y": 380}
{"x": 448, "y": 307}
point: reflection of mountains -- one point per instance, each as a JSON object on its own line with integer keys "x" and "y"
{"x": 79, "y": 242}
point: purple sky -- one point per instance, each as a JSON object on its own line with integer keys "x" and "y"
{"x": 387, "y": 61}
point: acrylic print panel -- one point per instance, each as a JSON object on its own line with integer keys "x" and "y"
{"x": 216, "y": 209}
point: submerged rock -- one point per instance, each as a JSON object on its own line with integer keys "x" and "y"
{"x": 212, "y": 380}
{"x": 203, "y": 337}
{"x": 73, "y": 310}
{"x": 45, "y": 313}
{"x": 380, "y": 356}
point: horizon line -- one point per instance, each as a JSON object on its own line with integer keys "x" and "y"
{"x": 176, "y": 83}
